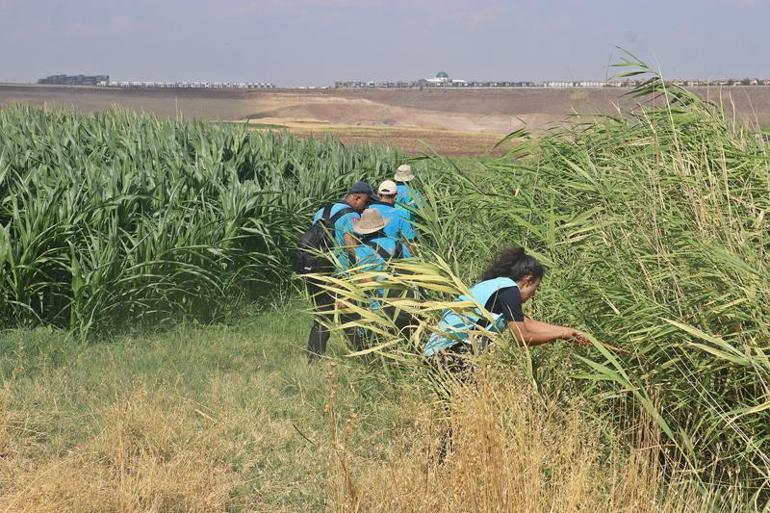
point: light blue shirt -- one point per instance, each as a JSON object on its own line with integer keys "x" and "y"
{"x": 400, "y": 226}
{"x": 408, "y": 197}
{"x": 368, "y": 259}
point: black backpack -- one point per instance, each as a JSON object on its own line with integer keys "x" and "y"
{"x": 310, "y": 256}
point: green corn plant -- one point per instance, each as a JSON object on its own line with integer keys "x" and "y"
{"x": 116, "y": 219}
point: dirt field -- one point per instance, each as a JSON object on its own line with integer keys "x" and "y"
{"x": 457, "y": 122}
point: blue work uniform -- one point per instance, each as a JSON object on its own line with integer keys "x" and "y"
{"x": 342, "y": 226}
{"x": 407, "y": 197}
{"x": 368, "y": 258}
{"x": 400, "y": 226}
{"x": 454, "y": 328}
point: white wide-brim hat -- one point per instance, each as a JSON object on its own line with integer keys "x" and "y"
{"x": 404, "y": 173}
{"x": 371, "y": 221}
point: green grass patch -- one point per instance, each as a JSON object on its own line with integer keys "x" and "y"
{"x": 242, "y": 396}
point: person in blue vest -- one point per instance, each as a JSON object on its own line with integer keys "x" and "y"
{"x": 342, "y": 215}
{"x": 374, "y": 252}
{"x": 511, "y": 280}
{"x": 407, "y": 197}
{"x": 375, "y": 247}
{"x": 399, "y": 226}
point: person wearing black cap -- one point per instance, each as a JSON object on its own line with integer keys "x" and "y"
{"x": 341, "y": 215}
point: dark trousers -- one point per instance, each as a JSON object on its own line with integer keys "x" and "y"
{"x": 319, "y": 333}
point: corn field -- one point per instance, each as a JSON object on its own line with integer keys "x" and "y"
{"x": 118, "y": 219}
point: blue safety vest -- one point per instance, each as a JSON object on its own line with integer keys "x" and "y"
{"x": 454, "y": 328}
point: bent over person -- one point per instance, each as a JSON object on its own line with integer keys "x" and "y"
{"x": 374, "y": 252}
{"x": 510, "y": 281}
{"x": 340, "y": 217}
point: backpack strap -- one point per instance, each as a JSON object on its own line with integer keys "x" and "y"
{"x": 336, "y": 217}
{"x": 325, "y": 213}
{"x": 384, "y": 254}
{"x": 399, "y": 250}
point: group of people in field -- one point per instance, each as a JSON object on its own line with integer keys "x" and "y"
{"x": 370, "y": 229}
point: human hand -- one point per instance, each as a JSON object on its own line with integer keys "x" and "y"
{"x": 577, "y": 336}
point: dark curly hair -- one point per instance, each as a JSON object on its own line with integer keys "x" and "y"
{"x": 513, "y": 263}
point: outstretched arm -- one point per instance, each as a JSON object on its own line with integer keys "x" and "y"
{"x": 534, "y": 333}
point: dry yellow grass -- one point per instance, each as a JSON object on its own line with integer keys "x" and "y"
{"x": 514, "y": 452}
{"x": 226, "y": 419}
{"x": 152, "y": 454}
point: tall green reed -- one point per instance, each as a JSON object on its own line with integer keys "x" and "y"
{"x": 653, "y": 226}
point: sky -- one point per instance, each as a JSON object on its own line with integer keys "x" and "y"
{"x": 316, "y": 42}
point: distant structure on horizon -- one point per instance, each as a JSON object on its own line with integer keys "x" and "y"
{"x": 133, "y": 84}
{"x": 75, "y": 80}
{"x": 443, "y": 80}
{"x": 104, "y": 81}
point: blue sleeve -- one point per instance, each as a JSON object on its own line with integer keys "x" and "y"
{"x": 405, "y": 251}
{"x": 345, "y": 225}
{"x": 407, "y": 230}
{"x": 367, "y": 258}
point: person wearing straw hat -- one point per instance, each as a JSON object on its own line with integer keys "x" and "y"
{"x": 374, "y": 253}
{"x": 375, "y": 247}
{"x": 407, "y": 197}
{"x": 399, "y": 226}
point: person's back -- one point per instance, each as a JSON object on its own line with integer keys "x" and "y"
{"x": 341, "y": 216}
{"x": 407, "y": 197}
{"x": 374, "y": 253}
{"x": 400, "y": 226}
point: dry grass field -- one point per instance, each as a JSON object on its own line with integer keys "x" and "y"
{"x": 231, "y": 418}
{"x": 452, "y": 122}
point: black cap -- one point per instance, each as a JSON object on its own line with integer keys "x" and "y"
{"x": 362, "y": 188}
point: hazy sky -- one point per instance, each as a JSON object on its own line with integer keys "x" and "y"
{"x": 315, "y": 42}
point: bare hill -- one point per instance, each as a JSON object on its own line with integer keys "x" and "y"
{"x": 443, "y": 113}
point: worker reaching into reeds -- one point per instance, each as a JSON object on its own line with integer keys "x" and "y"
{"x": 509, "y": 281}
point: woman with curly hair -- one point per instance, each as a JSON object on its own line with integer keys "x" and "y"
{"x": 510, "y": 281}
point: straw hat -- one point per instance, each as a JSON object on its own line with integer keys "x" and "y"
{"x": 404, "y": 173}
{"x": 387, "y": 188}
{"x": 371, "y": 221}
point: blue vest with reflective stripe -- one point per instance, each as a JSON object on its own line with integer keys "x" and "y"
{"x": 453, "y": 327}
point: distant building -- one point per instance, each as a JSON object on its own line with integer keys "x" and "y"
{"x": 189, "y": 85}
{"x": 76, "y": 80}
{"x": 442, "y": 80}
